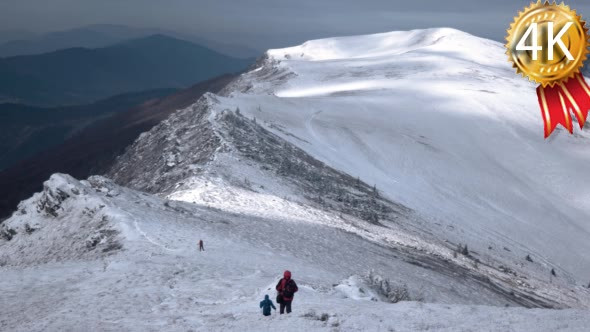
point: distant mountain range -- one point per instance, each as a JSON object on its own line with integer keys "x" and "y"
{"x": 93, "y": 149}
{"x": 101, "y": 35}
{"x": 28, "y": 130}
{"x": 81, "y": 75}
{"x": 9, "y": 35}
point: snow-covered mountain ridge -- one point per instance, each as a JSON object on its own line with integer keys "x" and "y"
{"x": 333, "y": 159}
{"x": 255, "y": 173}
{"x": 304, "y": 124}
{"x": 439, "y": 122}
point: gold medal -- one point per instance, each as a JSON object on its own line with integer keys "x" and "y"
{"x": 553, "y": 40}
{"x": 548, "y": 43}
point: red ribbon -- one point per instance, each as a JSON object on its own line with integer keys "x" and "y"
{"x": 557, "y": 101}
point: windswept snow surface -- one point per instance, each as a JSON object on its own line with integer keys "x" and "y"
{"x": 439, "y": 121}
{"x": 91, "y": 255}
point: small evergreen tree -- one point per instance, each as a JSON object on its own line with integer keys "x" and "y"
{"x": 465, "y": 251}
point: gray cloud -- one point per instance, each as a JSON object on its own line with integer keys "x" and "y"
{"x": 268, "y": 23}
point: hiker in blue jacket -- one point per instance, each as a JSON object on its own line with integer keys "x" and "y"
{"x": 266, "y": 304}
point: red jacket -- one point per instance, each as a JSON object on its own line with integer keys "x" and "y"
{"x": 287, "y": 288}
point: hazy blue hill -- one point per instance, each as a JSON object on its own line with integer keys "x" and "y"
{"x": 15, "y": 34}
{"x": 83, "y": 37}
{"x": 102, "y": 35}
{"x": 28, "y": 130}
{"x": 81, "y": 75}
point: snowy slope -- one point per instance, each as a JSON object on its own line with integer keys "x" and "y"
{"x": 92, "y": 255}
{"x": 435, "y": 119}
{"x": 438, "y": 120}
{"x": 250, "y": 171}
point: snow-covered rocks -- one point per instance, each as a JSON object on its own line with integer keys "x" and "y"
{"x": 170, "y": 152}
{"x": 66, "y": 221}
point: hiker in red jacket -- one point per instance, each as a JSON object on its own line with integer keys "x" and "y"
{"x": 287, "y": 289}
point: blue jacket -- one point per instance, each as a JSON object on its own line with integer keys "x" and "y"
{"x": 266, "y": 305}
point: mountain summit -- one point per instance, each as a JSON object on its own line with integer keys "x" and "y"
{"x": 438, "y": 120}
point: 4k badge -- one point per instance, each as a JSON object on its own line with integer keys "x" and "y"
{"x": 548, "y": 43}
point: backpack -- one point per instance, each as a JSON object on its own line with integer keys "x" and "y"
{"x": 289, "y": 289}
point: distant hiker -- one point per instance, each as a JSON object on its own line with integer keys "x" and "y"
{"x": 266, "y": 304}
{"x": 201, "y": 247}
{"x": 287, "y": 289}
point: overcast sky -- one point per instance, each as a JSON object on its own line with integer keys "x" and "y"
{"x": 269, "y": 23}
